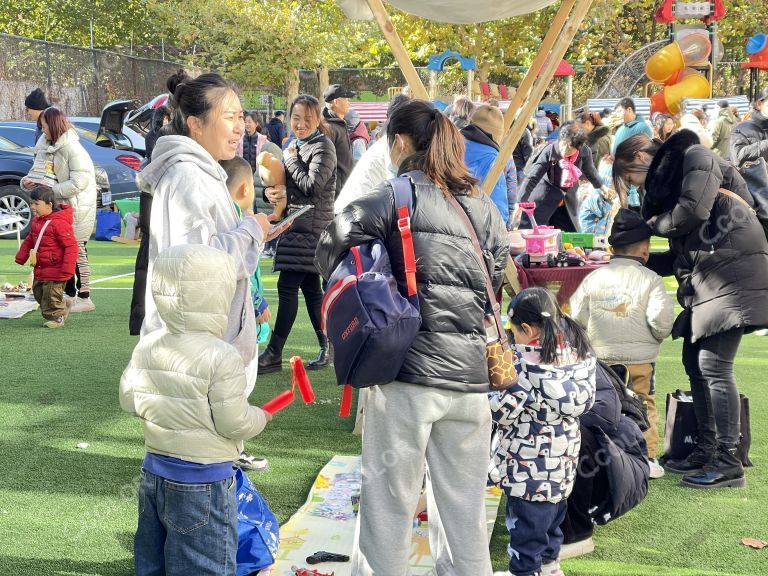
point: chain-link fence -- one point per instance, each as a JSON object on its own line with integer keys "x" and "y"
{"x": 78, "y": 80}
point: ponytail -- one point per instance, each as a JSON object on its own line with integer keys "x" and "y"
{"x": 439, "y": 146}
{"x": 538, "y": 307}
{"x": 197, "y": 97}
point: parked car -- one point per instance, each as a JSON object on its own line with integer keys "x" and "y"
{"x": 113, "y": 129}
{"x": 15, "y": 163}
{"x": 120, "y": 165}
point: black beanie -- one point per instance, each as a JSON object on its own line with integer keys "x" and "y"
{"x": 628, "y": 228}
{"x": 36, "y": 100}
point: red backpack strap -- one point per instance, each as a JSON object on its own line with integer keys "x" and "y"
{"x": 403, "y": 192}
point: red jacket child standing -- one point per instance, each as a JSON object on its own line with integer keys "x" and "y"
{"x": 53, "y": 245}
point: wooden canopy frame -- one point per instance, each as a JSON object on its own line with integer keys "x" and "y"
{"x": 563, "y": 29}
{"x": 556, "y": 42}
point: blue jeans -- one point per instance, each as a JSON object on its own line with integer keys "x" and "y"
{"x": 535, "y": 536}
{"x": 186, "y": 528}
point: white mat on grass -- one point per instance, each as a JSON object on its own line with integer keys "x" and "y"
{"x": 326, "y": 522}
{"x": 16, "y": 307}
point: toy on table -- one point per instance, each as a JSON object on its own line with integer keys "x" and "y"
{"x": 307, "y": 572}
{"x": 271, "y": 170}
{"x": 298, "y": 379}
{"x": 565, "y": 259}
{"x": 323, "y": 556}
{"x": 541, "y": 242}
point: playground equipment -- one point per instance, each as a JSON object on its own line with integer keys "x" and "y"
{"x": 671, "y": 66}
{"x": 437, "y": 63}
{"x": 757, "y": 52}
{"x": 665, "y": 66}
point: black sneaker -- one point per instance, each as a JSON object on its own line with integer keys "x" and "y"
{"x": 725, "y": 471}
{"x": 691, "y": 464}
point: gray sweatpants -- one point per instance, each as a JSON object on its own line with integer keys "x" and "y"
{"x": 404, "y": 424}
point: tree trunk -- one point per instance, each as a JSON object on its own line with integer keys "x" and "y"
{"x": 483, "y": 71}
{"x": 323, "y": 81}
{"x": 291, "y": 85}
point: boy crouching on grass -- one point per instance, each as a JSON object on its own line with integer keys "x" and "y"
{"x": 188, "y": 386}
{"x": 628, "y": 313}
{"x": 51, "y": 247}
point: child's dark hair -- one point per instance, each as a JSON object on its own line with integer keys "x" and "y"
{"x": 43, "y": 194}
{"x": 197, "y": 97}
{"x": 313, "y": 105}
{"x": 538, "y": 307}
{"x": 238, "y": 170}
{"x": 439, "y": 146}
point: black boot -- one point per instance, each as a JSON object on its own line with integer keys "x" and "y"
{"x": 271, "y": 360}
{"x": 693, "y": 463}
{"x": 323, "y": 358}
{"x": 725, "y": 471}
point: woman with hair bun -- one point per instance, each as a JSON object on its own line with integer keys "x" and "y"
{"x": 437, "y": 409}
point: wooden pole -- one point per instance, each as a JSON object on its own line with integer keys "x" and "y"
{"x": 393, "y": 39}
{"x": 558, "y": 23}
{"x": 512, "y": 137}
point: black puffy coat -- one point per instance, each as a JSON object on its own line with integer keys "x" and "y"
{"x": 449, "y": 351}
{"x": 340, "y": 137}
{"x": 542, "y": 184}
{"x": 749, "y": 140}
{"x": 719, "y": 246}
{"x": 749, "y": 150}
{"x": 310, "y": 178}
{"x": 622, "y": 448}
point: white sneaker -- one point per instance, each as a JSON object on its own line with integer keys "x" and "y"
{"x": 657, "y": 471}
{"x": 83, "y": 305}
{"x": 552, "y": 569}
{"x": 249, "y": 462}
{"x": 763, "y": 332}
{"x": 575, "y": 549}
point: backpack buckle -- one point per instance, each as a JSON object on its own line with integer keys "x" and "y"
{"x": 404, "y": 223}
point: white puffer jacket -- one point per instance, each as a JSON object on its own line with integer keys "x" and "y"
{"x": 186, "y": 383}
{"x": 76, "y": 180}
{"x": 626, "y": 311}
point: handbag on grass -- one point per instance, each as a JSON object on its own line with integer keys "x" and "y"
{"x": 498, "y": 352}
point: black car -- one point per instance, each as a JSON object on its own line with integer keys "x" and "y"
{"x": 15, "y": 163}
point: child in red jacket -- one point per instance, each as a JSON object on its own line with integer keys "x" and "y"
{"x": 52, "y": 248}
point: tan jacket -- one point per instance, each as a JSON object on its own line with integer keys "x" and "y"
{"x": 76, "y": 182}
{"x": 626, "y": 310}
{"x": 185, "y": 382}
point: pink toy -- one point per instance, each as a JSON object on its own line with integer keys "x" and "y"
{"x": 540, "y": 243}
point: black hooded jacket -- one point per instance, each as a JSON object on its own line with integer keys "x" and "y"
{"x": 718, "y": 244}
{"x": 340, "y": 138}
{"x": 449, "y": 350}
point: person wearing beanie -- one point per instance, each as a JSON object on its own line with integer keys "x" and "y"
{"x": 35, "y": 103}
{"x": 627, "y": 313}
{"x": 482, "y": 137}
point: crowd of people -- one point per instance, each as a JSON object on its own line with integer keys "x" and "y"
{"x": 568, "y": 442}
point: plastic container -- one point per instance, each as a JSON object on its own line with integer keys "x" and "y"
{"x": 581, "y": 239}
{"x": 517, "y": 242}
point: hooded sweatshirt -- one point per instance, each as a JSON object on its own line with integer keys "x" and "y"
{"x": 191, "y": 205}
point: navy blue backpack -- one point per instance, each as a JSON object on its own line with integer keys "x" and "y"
{"x": 369, "y": 323}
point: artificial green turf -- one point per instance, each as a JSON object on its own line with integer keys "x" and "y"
{"x": 69, "y": 511}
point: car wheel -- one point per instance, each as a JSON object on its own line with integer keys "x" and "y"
{"x": 14, "y": 201}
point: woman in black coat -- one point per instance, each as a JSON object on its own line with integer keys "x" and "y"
{"x": 552, "y": 180}
{"x": 310, "y": 179}
{"x": 719, "y": 255}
